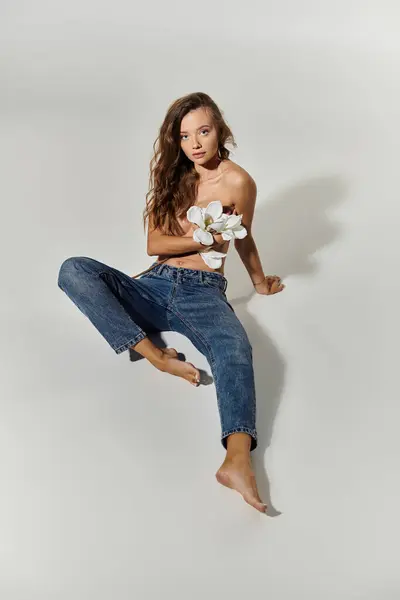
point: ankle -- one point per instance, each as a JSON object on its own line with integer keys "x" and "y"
{"x": 238, "y": 457}
{"x": 148, "y": 350}
{"x": 238, "y": 446}
{"x": 160, "y": 361}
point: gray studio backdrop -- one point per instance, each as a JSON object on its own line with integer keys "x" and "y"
{"x": 107, "y": 486}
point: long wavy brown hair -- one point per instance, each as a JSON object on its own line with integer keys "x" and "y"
{"x": 173, "y": 178}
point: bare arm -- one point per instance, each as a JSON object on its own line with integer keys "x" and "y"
{"x": 173, "y": 244}
{"x": 245, "y": 200}
{"x": 161, "y": 244}
{"x": 248, "y": 253}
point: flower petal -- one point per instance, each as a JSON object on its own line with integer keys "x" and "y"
{"x": 213, "y": 263}
{"x": 215, "y": 253}
{"x": 202, "y": 236}
{"x": 239, "y": 232}
{"x": 217, "y": 225}
{"x": 228, "y": 234}
{"x": 233, "y": 220}
{"x": 211, "y": 259}
{"x": 213, "y": 210}
{"x": 195, "y": 215}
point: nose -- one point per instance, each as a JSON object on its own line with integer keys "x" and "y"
{"x": 195, "y": 143}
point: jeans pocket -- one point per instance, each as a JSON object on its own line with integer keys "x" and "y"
{"x": 149, "y": 274}
{"x": 212, "y": 285}
{"x": 226, "y": 300}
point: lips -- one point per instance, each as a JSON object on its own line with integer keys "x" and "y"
{"x": 199, "y": 154}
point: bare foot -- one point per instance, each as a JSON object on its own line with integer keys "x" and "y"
{"x": 237, "y": 474}
{"x": 171, "y": 364}
{"x": 170, "y": 351}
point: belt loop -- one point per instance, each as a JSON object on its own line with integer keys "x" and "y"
{"x": 225, "y": 284}
{"x": 201, "y": 276}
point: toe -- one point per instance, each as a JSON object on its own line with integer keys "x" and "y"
{"x": 253, "y": 501}
{"x": 195, "y": 375}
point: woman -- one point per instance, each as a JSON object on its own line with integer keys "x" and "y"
{"x": 180, "y": 291}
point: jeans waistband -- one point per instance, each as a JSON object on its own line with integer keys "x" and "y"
{"x": 178, "y": 274}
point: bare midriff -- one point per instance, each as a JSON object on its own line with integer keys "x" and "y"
{"x": 194, "y": 261}
{"x": 215, "y": 189}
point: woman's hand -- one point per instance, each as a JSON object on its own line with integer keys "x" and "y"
{"x": 270, "y": 285}
{"x": 218, "y": 242}
{"x": 218, "y": 239}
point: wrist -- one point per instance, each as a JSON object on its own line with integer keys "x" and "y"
{"x": 258, "y": 282}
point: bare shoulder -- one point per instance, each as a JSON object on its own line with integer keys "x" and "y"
{"x": 238, "y": 177}
{"x": 244, "y": 193}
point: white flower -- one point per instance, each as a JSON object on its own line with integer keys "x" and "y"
{"x": 213, "y": 219}
{"x": 204, "y": 217}
{"x": 212, "y": 258}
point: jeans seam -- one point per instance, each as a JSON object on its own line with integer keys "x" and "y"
{"x": 196, "y": 333}
{"x": 170, "y": 301}
{"x": 210, "y": 353}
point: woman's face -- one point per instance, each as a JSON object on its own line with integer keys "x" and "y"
{"x": 198, "y": 134}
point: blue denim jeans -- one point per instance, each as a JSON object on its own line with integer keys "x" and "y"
{"x": 166, "y": 298}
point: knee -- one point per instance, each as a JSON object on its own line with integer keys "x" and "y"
{"x": 240, "y": 343}
{"x": 69, "y": 270}
{"x": 241, "y": 352}
{"x": 237, "y": 351}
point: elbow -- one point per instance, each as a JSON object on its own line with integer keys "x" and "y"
{"x": 240, "y": 242}
{"x": 150, "y": 247}
{"x": 152, "y": 250}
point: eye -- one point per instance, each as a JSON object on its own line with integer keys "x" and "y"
{"x": 202, "y": 131}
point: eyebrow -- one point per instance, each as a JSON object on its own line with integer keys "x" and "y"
{"x": 201, "y": 126}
